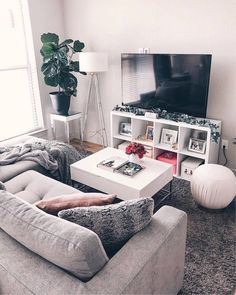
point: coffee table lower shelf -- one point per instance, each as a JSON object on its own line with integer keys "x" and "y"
{"x": 159, "y": 196}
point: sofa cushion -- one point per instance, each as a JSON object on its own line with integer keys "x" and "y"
{"x": 7, "y": 172}
{"x": 56, "y": 204}
{"x": 32, "y": 187}
{"x": 115, "y": 223}
{"x": 72, "y": 247}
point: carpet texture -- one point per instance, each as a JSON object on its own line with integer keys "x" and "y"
{"x": 210, "y": 249}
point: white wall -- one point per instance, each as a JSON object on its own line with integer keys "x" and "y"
{"x": 46, "y": 16}
{"x": 176, "y": 26}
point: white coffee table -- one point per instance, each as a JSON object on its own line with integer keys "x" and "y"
{"x": 145, "y": 183}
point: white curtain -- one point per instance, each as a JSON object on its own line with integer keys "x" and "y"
{"x": 20, "y": 108}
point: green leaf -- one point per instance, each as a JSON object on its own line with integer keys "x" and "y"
{"x": 74, "y": 93}
{"x": 41, "y": 51}
{"x": 63, "y": 62}
{"x": 68, "y": 82}
{"x": 49, "y": 69}
{"x": 47, "y": 59}
{"x": 78, "y": 46}
{"x": 51, "y": 81}
{"x": 48, "y": 49}
{"x": 62, "y": 52}
{"x": 67, "y": 41}
{"x": 74, "y": 66}
{"x": 65, "y": 69}
{"x": 50, "y": 37}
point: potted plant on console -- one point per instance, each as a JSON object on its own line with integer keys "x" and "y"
{"x": 57, "y": 69}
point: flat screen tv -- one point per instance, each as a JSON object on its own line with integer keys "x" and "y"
{"x": 172, "y": 82}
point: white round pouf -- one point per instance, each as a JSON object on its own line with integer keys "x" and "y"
{"x": 213, "y": 186}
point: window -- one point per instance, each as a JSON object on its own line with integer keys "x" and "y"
{"x": 138, "y": 77}
{"x": 20, "y": 108}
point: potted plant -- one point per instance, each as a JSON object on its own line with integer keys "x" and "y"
{"x": 57, "y": 69}
{"x": 135, "y": 151}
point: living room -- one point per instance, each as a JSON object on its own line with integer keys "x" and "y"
{"x": 173, "y": 27}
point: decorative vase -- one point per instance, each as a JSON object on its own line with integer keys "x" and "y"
{"x": 60, "y": 103}
{"x": 134, "y": 158}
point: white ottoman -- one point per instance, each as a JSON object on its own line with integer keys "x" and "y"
{"x": 213, "y": 186}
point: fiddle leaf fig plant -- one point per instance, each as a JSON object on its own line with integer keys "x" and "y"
{"x": 58, "y": 65}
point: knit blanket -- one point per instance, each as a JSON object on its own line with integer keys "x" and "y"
{"x": 54, "y": 156}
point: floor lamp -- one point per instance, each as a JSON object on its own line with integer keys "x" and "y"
{"x": 93, "y": 63}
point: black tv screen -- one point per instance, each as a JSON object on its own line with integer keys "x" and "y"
{"x": 172, "y": 82}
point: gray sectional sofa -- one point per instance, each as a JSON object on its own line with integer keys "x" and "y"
{"x": 151, "y": 262}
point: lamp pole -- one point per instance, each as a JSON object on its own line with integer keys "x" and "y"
{"x": 94, "y": 80}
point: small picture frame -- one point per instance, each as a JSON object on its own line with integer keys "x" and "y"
{"x": 197, "y": 145}
{"x": 169, "y": 136}
{"x": 125, "y": 128}
{"x": 149, "y": 133}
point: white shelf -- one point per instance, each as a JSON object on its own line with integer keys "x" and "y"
{"x": 139, "y": 126}
{"x": 145, "y": 142}
{"x": 123, "y": 137}
{"x": 166, "y": 148}
{"x": 192, "y": 154}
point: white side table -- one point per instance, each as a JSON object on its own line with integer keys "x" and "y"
{"x": 66, "y": 120}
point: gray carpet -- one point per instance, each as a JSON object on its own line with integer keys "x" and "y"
{"x": 210, "y": 249}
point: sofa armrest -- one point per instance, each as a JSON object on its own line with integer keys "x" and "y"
{"x": 151, "y": 262}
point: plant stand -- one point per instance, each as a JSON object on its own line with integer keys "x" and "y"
{"x": 66, "y": 120}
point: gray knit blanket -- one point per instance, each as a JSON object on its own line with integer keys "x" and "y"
{"x": 54, "y": 156}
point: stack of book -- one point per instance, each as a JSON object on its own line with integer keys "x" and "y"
{"x": 120, "y": 165}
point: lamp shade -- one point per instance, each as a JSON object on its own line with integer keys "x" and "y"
{"x": 92, "y": 62}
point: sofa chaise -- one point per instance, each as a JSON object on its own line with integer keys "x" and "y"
{"x": 151, "y": 262}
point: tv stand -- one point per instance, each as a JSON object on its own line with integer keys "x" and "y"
{"x": 156, "y": 146}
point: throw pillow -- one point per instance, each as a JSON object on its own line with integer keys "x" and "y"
{"x": 116, "y": 223}
{"x": 70, "y": 246}
{"x": 56, "y": 204}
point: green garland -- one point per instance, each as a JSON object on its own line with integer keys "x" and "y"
{"x": 178, "y": 117}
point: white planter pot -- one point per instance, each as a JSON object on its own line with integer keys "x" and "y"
{"x": 133, "y": 158}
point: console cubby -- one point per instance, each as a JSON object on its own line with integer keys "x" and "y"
{"x": 184, "y": 132}
{"x": 142, "y": 131}
{"x": 117, "y": 141}
{"x": 162, "y": 127}
{"x": 116, "y": 125}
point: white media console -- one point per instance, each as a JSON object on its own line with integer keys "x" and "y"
{"x": 182, "y": 149}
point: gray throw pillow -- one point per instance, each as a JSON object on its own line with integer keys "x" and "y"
{"x": 113, "y": 223}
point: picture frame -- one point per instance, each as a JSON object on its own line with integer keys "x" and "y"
{"x": 197, "y": 145}
{"x": 149, "y": 133}
{"x": 169, "y": 136}
{"x": 125, "y": 129}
